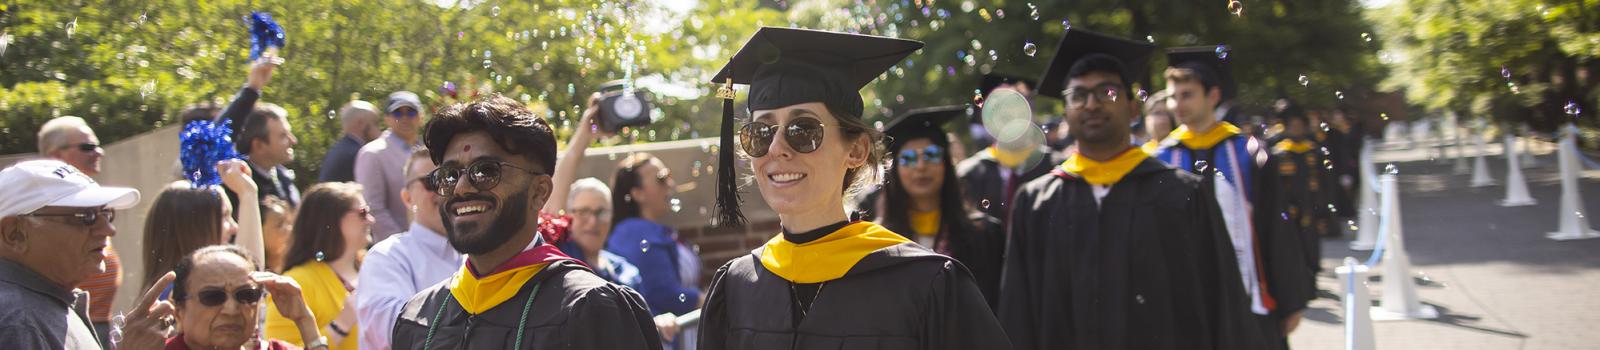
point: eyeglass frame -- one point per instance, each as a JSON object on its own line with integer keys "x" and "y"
{"x": 1102, "y": 94}
{"x": 440, "y": 188}
{"x": 87, "y": 217}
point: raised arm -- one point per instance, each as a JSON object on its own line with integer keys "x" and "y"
{"x": 566, "y": 170}
{"x": 236, "y": 176}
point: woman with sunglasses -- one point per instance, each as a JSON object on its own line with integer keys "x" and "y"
{"x": 215, "y": 295}
{"x": 333, "y": 226}
{"x": 826, "y": 282}
{"x": 922, "y": 198}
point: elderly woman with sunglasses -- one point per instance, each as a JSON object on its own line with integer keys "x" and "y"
{"x": 826, "y": 282}
{"x": 333, "y": 226}
{"x": 216, "y": 293}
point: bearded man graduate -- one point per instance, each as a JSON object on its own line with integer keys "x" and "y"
{"x": 1237, "y": 167}
{"x": 516, "y": 291}
{"x": 1112, "y": 250}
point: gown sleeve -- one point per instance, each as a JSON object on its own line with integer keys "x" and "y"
{"x": 612, "y": 317}
{"x": 959, "y": 317}
{"x": 1228, "y": 316}
{"x": 1019, "y": 305}
{"x": 713, "y": 316}
{"x": 1289, "y": 279}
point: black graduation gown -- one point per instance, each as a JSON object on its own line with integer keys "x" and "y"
{"x": 1150, "y": 268}
{"x": 981, "y": 180}
{"x": 980, "y": 246}
{"x": 900, "y": 297}
{"x": 1308, "y": 191}
{"x": 1290, "y": 283}
{"x": 574, "y": 309}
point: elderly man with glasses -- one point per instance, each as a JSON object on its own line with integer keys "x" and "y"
{"x": 380, "y": 163}
{"x": 70, "y": 139}
{"x": 55, "y": 226}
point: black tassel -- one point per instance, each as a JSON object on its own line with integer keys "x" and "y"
{"x": 727, "y": 188}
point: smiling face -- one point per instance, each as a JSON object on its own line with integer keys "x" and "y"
{"x": 591, "y": 219}
{"x": 478, "y": 221}
{"x": 794, "y": 183}
{"x": 227, "y": 325}
{"x": 924, "y": 179}
{"x": 1101, "y": 121}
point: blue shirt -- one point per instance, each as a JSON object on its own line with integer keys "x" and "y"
{"x": 652, "y": 248}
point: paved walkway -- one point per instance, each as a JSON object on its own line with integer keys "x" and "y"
{"x": 1498, "y": 283}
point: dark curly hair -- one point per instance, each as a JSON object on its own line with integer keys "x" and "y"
{"x": 512, "y": 126}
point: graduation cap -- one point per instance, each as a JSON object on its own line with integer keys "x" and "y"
{"x": 1205, "y": 61}
{"x": 922, "y": 122}
{"x": 789, "y": 66}
{"x": 993, "y": 80}
{"x": 1079, "y": 44}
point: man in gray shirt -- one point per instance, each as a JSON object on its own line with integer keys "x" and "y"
{"x": 380, "y": 164}
{"x": 55, "y": 225}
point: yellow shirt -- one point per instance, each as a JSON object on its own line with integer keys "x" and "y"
{"x": 324, "y": 294}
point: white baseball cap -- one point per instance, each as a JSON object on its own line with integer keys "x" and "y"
{"x": 31, "y": 185}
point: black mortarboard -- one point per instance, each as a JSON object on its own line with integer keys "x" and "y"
{"x": 1079, "y": 44}
{"x": 789, "y": 66}
{"x": 922, "y": 122}
{"x": 1207, "y": 59}
{"x": 994, "y": 80}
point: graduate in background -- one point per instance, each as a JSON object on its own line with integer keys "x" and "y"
{"x": 922, "y": 198}
{"x": 1112, "y": 250}
{"x": 516, "y": 290}
{"x": 1306, "y": 178}
{"x": 1271, "y": 264}
{"x": 826, "y": 282}
{"x": 986, "y": 183}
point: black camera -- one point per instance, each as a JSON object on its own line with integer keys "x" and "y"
{"x": 622, "y": 105}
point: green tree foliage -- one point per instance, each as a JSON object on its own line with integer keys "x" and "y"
{"x": 1512, "y": 61}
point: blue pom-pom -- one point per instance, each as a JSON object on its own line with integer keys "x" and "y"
{"x": 264, "y": 33}
{"x": 202, "y": 144}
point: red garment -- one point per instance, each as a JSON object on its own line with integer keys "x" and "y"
{"x": 542, "y": 253}
{"x": 177, "y": 343}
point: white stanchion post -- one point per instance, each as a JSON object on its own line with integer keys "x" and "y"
{"x": 1399, "y": 291}
{"x": 1461, "y": 167}
{"x": 1516, "y": 186}
{"x": 1573, "y": 225}
{"x": 1367, "y": 226}
{"x": 1528, "y": 160}
{"x": 1480, "y": 164}
{"x": 1357, "y": 306}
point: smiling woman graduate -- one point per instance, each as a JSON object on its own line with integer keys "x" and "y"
{"x": 826, "y": 282}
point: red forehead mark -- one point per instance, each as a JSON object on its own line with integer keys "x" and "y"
{"x": 466, "y": 148}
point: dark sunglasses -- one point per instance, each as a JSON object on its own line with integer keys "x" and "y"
{"x": 803, "y": 134}
{"x": 427, "y": 183}
{"x": 406, "y": 113}
{"x": 362, "y": 211}
{"x": 931, "y": 154}
{"x": 212, "y": 297}
{"x": 85, "y": 147}
{"x": 483, "y": 175}
{"x": 86, "y": 217}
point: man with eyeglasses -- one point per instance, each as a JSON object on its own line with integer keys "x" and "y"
{"x": 70, "y": 139}
{"x": 1113, "y": 249}
{"x": 380, "y": 163}
{"x": 403, "y": 264}
{"x": 516, "y": 290}
{"x": 55, "y": 228}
